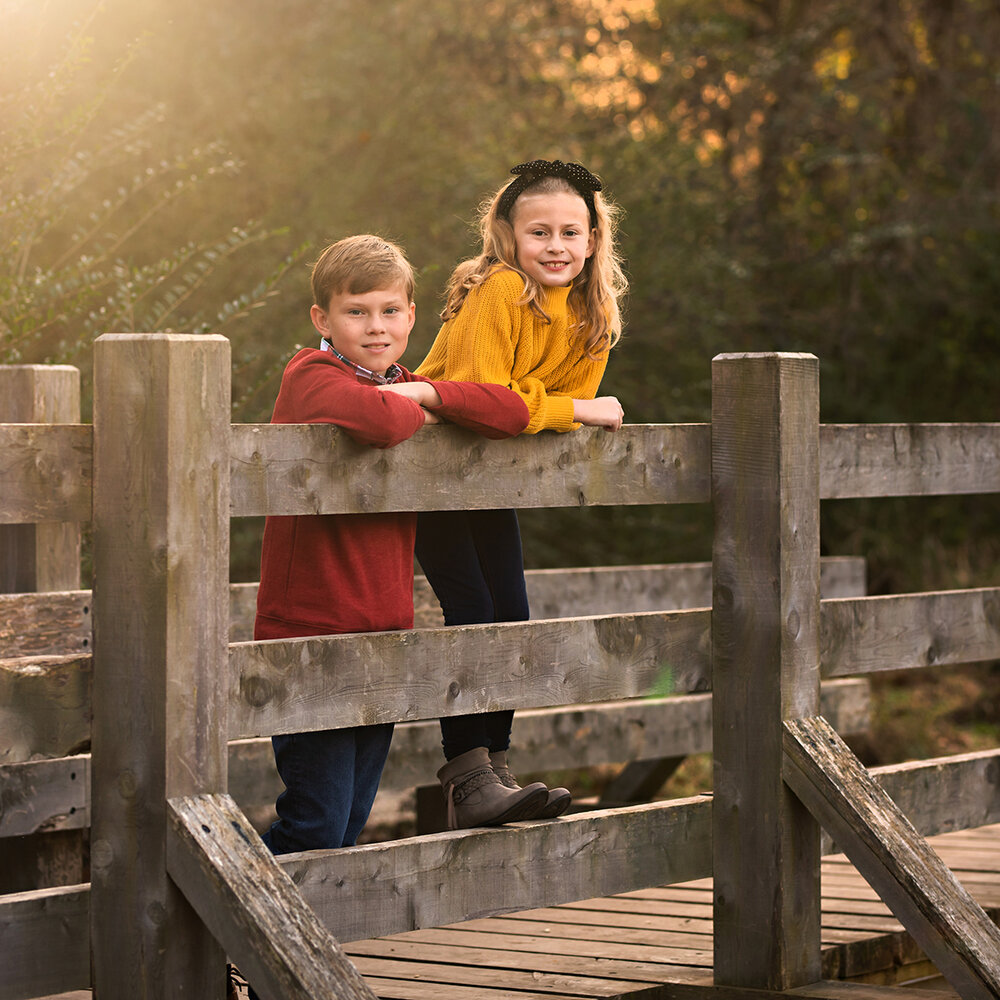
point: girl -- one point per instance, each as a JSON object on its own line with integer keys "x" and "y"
{"x": 537, "y": 311}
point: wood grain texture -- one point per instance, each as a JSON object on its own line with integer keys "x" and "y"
{"x": 161, "y": 616}
{"x": 898, "y": 863}
{"x": 910, "y": 630}
{"x": 47, "y": 473}
{"x": 46, "y": 942}
{"x": 46, "y": 555}
{"x": 765, "y": 643}
{"x": 53, "y": 623}
{"x": 887, "y": 460}
{"x": 45, "y": 706}
{"x": 317, "y": 469}
{"x": 56, "y": 624}
{"x": 252, "y": 907}
{"x": 378, "y": 889}
{"x": 363, "y": 679}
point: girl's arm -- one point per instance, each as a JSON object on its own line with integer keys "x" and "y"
{"x": 605, "y": 411}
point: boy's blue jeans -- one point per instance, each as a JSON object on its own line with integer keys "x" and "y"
{"x": 473, "y": 562}
{"x": 331, "y": 777}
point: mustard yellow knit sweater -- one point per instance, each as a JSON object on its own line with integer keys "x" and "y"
{"x": 495, "y": 340}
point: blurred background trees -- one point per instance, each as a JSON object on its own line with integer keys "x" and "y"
{"x": 817, "y": 176}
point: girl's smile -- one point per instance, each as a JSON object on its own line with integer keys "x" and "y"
{"x": 552, "y": 235}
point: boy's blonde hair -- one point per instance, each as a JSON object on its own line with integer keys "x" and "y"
{"x": 597, "y": 291}
{"x": 360, "y": 264}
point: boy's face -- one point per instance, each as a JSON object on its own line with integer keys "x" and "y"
{"x": 370, "y": 329}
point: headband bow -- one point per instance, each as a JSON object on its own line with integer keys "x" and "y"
{"x": 581, "y": 179}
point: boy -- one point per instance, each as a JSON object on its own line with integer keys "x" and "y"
{"x": 327, "y": 574}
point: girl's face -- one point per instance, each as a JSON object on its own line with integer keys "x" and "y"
{"x": 552, "y": 235}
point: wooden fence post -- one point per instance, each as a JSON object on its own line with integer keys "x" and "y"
{"x": 37, "y": 558}
{"x": 161, "y": 543}
{"x": 765, "y": 665}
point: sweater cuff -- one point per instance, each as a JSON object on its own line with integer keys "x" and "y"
{"x": 560, "y": 413}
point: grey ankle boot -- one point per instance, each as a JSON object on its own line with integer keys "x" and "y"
{"x": 476, "y": 797}
{"x": 557, "y": 800}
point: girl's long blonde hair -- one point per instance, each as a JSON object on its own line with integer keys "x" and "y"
{"x": 594, "y": 299}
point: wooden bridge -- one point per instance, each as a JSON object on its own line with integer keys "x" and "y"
{"x": 179, "y": 880}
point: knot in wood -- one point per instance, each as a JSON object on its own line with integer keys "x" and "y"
{"x": 256, "y": 691}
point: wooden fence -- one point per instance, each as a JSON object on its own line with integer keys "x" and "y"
{"x": 179, "y": 879}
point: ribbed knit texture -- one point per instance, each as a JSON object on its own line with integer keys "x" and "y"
{"x": 493, "y": 339}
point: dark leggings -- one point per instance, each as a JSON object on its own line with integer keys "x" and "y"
{"x": 472, "y": 560}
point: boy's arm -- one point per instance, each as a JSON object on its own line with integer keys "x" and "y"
{"x": 315, "y": 389}
{"x": 491, "y": 410}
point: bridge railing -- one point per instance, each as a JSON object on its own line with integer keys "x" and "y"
{"x": 178, "y": 876}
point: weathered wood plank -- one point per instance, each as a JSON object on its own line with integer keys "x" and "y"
{"x": 161, "y": 556}
{"x": 958, "y": 792}
{"x": 46, "y": 624}
{"x": 317, "y": 469}
{"x": 45, "y": 706}
{"x": 294, "y": 685}
{"x": 46, "y": 942}
{"x": 885, "y": 460}
{"x": 362, "y": 892}
{"x": 765, "y": 653}
{"x": 910, "y": 630}
{"x": 43, "y": 556}
{"x": 44, "y": 795}
{"x": 252, "y": 907}
{"x": 54, "y": 794}
{"x": 935, "y": 908}
{"x": 569, "y": 982}
{"x": 56, "y": 624}
{"x": 47, "y": 473}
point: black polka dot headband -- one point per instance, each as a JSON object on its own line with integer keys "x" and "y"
{"x": 581, "y": 179}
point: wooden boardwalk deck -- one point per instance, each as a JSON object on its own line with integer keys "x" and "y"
{"x": 624, "y": 944}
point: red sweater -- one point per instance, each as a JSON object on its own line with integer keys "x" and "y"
{"x": 322, "y": 574}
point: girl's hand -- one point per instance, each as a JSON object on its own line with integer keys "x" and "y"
{"x": 420, "y": 392}
{"x": 430, "y": 418}
{"x": 605, "y": 411}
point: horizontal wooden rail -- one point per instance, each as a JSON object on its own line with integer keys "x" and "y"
{"x": 297, "y": 684}
{"x": 46, "y": 932}
{"x": 318, "y": 469}
{"x": 888, "y": 460}
{"x": 47, "y": 469}
{"x": 61, "y": 623}
{"x": 863, "y": 636}
{"x": 44, "y": 795}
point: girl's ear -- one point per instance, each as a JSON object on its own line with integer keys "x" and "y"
{"x": 320, "y": 320}
{"x": 591, "y": 242}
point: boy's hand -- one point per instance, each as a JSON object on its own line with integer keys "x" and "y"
{"x": 430, "y": 418}
{"x": 420, "y": 392}
{"x": 605, "y": 411}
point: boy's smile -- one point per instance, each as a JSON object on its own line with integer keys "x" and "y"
{"x": 553, "y": 236}
{"x": 371, "y": 328}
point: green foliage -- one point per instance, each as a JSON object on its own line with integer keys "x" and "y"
{"x": 81, "y": 190}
